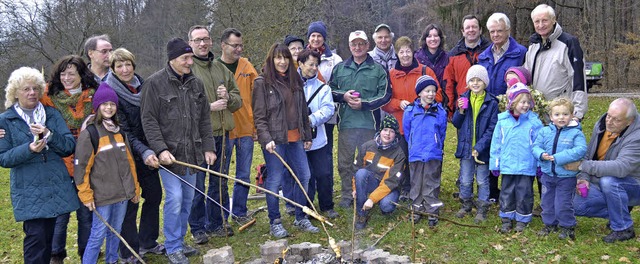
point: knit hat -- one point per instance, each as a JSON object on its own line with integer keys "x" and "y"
{"x": 517, "y": 89}
{"x": 424, "y": 81}
{"x": 390, "y": 121}
{"x": 317, "y": 26}
{"x": 176, "y": 47}
{"x": 478, "y": 71}
{"x": 523, "y": 74}
{"x": 291, "y": 38}
{"x": 104, "y": 94}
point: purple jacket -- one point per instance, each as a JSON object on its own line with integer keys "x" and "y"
{"x": 438, "y": 66}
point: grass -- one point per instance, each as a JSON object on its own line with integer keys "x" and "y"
{"x": 445, "y": 243}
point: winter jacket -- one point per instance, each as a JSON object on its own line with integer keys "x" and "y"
{"x": 321, "y": 108}
{"x": 328, "y": 60}
{"x": 461, "y": 59}
{"x": 557, "y": 68}
{"x": 39, "y": 182}
{"x": 485, "y": 124}
{"x": 371, "y": 81}
{"x": 243, "y": 118}
{"x": 514, "y": 56}
{"x": 425, "y": 131}
{"x": 512, "y": 144}
{"x": 566, "y": 145}
{"x": 404, "y": 88}
{"x": 175, "y": 117}
{"x": 442, "y": 60}
{"x": 212, "y": 73}
{"x": 107, "y": 175}
{"x": 621, "y": 160}
{"x": 390, "y": 64}
{"x": 387, "y": 166}
{"x": 269, "y": 114}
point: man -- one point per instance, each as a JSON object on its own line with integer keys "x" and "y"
{"x": 241, "y": 137}
{"x": 611, "y": 170}
{"x": 224, "y": 98}
{"x": 461, "y": 58}
{"x": 175, "y": 117}
{"x": 383, "y": 52}
{"x": 502, "y": 54}
{"x": 361, "y": 86}
{"x": 98, "y": 49}
{"x": 556, "y": 61}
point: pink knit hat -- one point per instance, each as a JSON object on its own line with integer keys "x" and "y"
{"x": 517, "y": 89}
{"x": 523, "y": 74}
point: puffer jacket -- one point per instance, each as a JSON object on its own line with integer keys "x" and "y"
{"x": 512, "y": 144}
{"x": 243, "y": 118}
{"x": 566, "y": 145}
{"x": 514, "y": 56}
{"x": 425, "y": 131}
{"x": 321, "y": 107}
{"x": 485, "y": 124}
{"x": 387, "y": 166}
{"x": 442, "y": 60}
{"x": 39, "y": 182}
{"x": 461, "y": 59}
{"x": 175, "y": 117}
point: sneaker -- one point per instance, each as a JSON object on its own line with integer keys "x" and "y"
{"x": 567, "y": 232}
{"x": 241, "y": 220}
{"x": 520, "y": 226}
{"x": 506, "y": 226}
{"x": 346, "y": 203}
{"x": 277, "y": 230}
{"x": 433, "y": 221}
{"x": 404, "y": 197}
{"x": 547, "y": 229}
{"x": 305, "y": 225}
{"x": 157, "y": 250}
{"x": 129, "y": 260}
{"x": 620, "y": 235}
{"x": 177, "y": 258}
{"x": 361, "y": 222}
{"x": 189, "y": 251}
{"x": 200, "y": 237}
{"x": 290, "y": 210}
{"x": 222, "y": 231}
{"x": 331, "y": 214}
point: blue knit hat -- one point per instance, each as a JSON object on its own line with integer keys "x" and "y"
{"x": 104, "y": 94}
{"x": 424, "y": 81}
{"x": 317, "y": 26}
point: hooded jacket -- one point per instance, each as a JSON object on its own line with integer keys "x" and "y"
{"x": 512, "y": 144}
{"x": 425, "y": 131}
{"x": 485, "y": 124}
{"x": 514, "y": 56}
{"x": 566, "y": 145}
{"x": 461, "y": 59}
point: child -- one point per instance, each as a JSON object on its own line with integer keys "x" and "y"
{"x": 105, "y": 176}
{"x": 511, "y": 155}
{"x": 381, "y": 162}
{"x": 425, "y": 127}
{"x": 475, "y": 120}
{"x": 559, "y": 143}
{"x": 517, "y": 74}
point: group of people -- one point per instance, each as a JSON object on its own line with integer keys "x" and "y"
{"x": 97, "y": 137}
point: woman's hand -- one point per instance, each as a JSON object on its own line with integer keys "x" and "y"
{"x": 135, "y": 199}
{"x": 271, "y": 146}
{"x": 307, "y": 145}
{"x": 37, "y": 146}
{"x": 152, "y": 161}
{"x": 90, "y": 205}
{"x": 403, "y": 104}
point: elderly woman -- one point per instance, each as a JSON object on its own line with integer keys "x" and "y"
{"x": 126, "y": 83}
{"x": 431, "y": 52}
{"x": 282, "y": 126}
{"x": 35, "y": 142}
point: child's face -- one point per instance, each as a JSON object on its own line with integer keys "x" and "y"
{"x": 387, "y": 135}
{"x": 560, "y": 116}
{"x": 476, "y": 85}
{"x": 427, "y": 95}
{"x": 510, "y": 76}
{"x": 108, "y": 109}
{"x": 523, "y": 104}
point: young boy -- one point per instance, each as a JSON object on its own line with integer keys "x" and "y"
{"x": 557, "y": 144}
{"x": 475, "y": 120}
{"x": 425, "y": 127}
{"x": 381, "y": 162}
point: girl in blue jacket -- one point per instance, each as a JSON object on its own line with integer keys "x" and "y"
{"x": 559, "y": 143}
{"x": 511, "y": 155}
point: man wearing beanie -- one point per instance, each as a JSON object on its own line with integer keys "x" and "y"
{"x": 175, "y": 117}
{"x": 361, "y": 86}
{"x": 317, "y": 38}
{"x": 380, "y": 164}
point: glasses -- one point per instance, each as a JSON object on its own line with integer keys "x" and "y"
{"x": 295, "y": 49}
{"x": 104, "y": 51}
{"x": 359, "y": 44}
{"x": 201, "y": 40}
{"x": 235, "y": 46}
{"x": 29, "y": 89}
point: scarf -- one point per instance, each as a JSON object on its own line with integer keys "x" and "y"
{"x": 382, "y": 146}
{"x": 72, "y": 112}
{"x": 385, "y": 56}
{"x": 110, "y": 126}
{"x": 433, "y": 57}
{"x": 123, "y": 91}
{"x": 39, "y": 115}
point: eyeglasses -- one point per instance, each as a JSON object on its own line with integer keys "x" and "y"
{"x": 359, "y": 44}
{"x": 104, "y": 51}
{"x": 29, "y": 89}
{"x": 295, "y": 49}
{"x": 201, "y": 40}
{"x": 235, "y": 46}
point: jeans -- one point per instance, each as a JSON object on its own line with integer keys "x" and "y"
{"x": 516, "y": 197}
{"x": 468, "y": 169}
{"x": 177, "y": 205}
{"x": 244, "y": 157}
{"x": 113, "y": 214}
{"x": 321, "y": 179}
{"x": 205, "y": 214}
{"x": 348, "y": 141}
{"x": 557, "y": 200}
{"x": 38, "y": 234}
{"x": 366, "y": 183}
{"x": 610, "y": 199}
{"x": 84, "y": 216}
{"x": 293, "y": 153}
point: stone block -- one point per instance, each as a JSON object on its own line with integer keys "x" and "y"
{"x": 272, "y": 250}
{"x": 223, "y": 255}
{"x": 306, "y": 249}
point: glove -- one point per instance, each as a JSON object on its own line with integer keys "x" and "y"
{"x": 495, "y": 173}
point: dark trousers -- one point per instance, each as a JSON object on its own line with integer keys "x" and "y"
{"x": 405, "y": 185}
{"x": 425, "y": 184}
{"x": 516, "y": 197}
{"x": 321, "y": 178}
{"x": 37, "y": 240}
{"x": 494, "y": 191}
{"x": 557, "y": 200}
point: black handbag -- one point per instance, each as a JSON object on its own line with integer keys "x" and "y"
{"x": 314, "y": 130}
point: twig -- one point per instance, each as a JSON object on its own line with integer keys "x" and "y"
{"x": 118, "y": 236}
{"x": 437, "y": 216}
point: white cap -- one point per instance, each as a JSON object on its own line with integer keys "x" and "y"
{"x": 358, "y": 34}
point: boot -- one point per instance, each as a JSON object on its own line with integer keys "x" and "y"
{"x": 361, "y": 222}
{"x": 467, "y": 205}
{"x": 416, "y": 216}
{"x": 567, "y": 232}
{"x": 481, "y": 214}
{"x": 506, "y": 226}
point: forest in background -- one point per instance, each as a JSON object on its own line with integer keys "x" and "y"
{"x": 37, "y": 32}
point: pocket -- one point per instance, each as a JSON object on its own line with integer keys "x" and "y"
{"x": 169, "y": 104}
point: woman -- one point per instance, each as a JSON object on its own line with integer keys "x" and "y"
{"x": 36, "y": 139}
{"x": 431, "y": 52}
{"x": 70, "y": 90}
{"x": 126, "y": 83}
{"x": 282, "y": 126}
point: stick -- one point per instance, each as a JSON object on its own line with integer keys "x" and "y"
{"x": 385, "y": 234}
{"x": 118, "y": 236}
{"x": 353, "y": 231}
{"x": 413, "y": 234}
{"x": 437, "y": 216}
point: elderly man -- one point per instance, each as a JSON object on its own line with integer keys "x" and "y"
{"x": 502, "y": 54}
{"x": 361, "y": 86}
{"x": 555, "y": 61}
{"x": 98, "y": 49}
{"x": 611, "y": 170}
{"x": 383, "y": 52}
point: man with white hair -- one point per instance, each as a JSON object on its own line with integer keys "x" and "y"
{"x": 383, "y": 52}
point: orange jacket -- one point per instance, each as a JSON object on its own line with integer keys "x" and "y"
{"x": 461, "y": 59}
{"x": 243, "y": 118}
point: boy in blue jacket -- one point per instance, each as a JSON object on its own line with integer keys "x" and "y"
{"x": 557, "y": 144}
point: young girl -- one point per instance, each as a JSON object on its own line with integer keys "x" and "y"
{"x": 560, "y": 143}
{"x": 511, "y": 155}
{"x": 425, "y": 127}
{"x": 105, "y": 176}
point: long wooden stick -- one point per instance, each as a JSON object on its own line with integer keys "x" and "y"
{"x": 113, "y": 230}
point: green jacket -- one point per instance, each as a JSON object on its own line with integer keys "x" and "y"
{"x": 213, "y": 73}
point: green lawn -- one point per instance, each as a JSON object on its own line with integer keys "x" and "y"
{"x": 445, "y": 243}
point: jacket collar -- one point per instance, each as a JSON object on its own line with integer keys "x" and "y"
{"x": 351, "y": 63}
{"x": 461, "y": 47}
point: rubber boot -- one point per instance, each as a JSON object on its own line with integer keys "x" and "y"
{"x": 467, "y": 205}
{"x": 481, "y": 213}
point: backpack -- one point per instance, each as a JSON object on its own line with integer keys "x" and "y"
{"x": 261, "y": 176}
{"x": 93, "y": 135}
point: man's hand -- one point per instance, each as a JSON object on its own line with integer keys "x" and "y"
{"x": 367, "y": 205}
{"x": 271, "y": 146}
{"x": 585, "y": 182}
{"x": 573, "y": 166}
{"x": 218, "y": 105}
{"x": 210, "y": 157}
{"x": 2, "y": 133}
{"x": 90, "y": 205}
{"x": 166, "y": 158}
{"x": 404, "y": 104}
{"x": 135, "y": 199}
{"x": 353, "y": 193}
{"x": 152, "y": 161}
{"x": 307, "y": 145}
{"x": 356, "y": 104}
{"x": 221, "y": 91}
